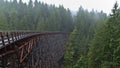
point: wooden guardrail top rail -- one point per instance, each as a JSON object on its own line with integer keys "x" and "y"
{"x": 12, "y": 36}
{"x": 9, "y": 37}
{"x": 16, "y": 46}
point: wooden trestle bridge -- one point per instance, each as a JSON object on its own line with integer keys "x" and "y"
{"x": 32, "y": 49}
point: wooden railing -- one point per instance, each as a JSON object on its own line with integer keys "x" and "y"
{"x": 20, "y": 44}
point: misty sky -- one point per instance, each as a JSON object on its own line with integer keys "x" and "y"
{"x": 105, "y": 5}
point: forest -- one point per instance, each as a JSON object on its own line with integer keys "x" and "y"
{"x": 94, "y": 40}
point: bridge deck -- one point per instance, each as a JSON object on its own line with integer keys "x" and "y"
{"x": 16, "y": 46}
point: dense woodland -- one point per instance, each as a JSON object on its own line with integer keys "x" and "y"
{"x": 85, "y": 24}
{"x": 94, "y": 41}
{"x": 34, "y": 16}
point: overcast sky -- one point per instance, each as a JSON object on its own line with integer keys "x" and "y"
{"x": 105, "y": 5}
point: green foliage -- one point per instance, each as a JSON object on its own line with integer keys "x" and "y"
{"x": 82, "y": 62}
{"x": 105, "y": 45}
{"x": 102, "y": 52}
{"x": 78, "y": 44}
{"x": 70, "y": 53}
{"x": 3, "y": 22}
{"x": 34, "y": 16}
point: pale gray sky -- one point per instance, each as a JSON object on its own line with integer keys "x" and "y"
{"x": 105, "y": 5}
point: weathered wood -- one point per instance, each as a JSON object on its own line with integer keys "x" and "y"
{"x": 37, "y": 50}
{"x": 49, "y": 52}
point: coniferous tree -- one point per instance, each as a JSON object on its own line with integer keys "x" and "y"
{"x": 105, "y": 45}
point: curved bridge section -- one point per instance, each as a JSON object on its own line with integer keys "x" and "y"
{"x": 32, "y": 49}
